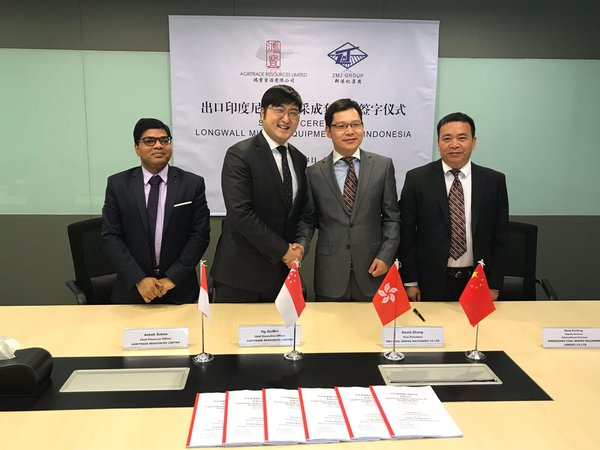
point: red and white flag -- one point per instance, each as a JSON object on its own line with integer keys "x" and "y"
{"x": 290, "y": 300}
{"x": 390, "y": 300}
{"x": 476, "y": 299}
{"x": 203, "y": 304}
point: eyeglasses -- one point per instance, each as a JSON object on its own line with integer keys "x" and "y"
{"x": 279, "y": 111}
{"x": 150, "y": 141}
{"x": 344, "y": 126}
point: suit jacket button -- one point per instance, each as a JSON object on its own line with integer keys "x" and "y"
{"x": 348, "y": 246}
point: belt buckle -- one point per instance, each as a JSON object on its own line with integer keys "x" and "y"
{"x": 156, "y": 271}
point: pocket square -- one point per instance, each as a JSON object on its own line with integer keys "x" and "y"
{"x": 189, "y": 202}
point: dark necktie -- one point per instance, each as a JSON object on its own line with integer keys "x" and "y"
{"x": 287, "y": 176}
{"x": 152, "y": 209}
{"x": 458, "y": 230}
{"x": 350, "y": 184}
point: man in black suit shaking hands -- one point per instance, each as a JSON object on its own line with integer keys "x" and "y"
{"x": 264, "y": 188}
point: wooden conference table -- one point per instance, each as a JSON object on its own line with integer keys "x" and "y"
{"x": 570, "y": 376}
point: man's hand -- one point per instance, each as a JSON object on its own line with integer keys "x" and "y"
{"x": 378, "y": 268}
{"x": 165, "y": 285}
{"x": 413, "y": 293}
{"x": 295, "y": 252}
{"x": 149, "y": 288}
{"x": 494, "y": 294}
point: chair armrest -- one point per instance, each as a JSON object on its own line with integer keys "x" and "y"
{"x": 76, "y": 290}
{"x": 547, "y": 287}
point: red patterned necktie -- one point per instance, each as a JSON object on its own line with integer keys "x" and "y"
{"x": 350, "y": 184}
{"x": 458, "y": 230}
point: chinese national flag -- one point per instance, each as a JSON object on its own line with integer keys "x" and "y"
{"x": 390, "y": 300}
{"x": 290, "y": 301}
{"x": 476, "y": 299}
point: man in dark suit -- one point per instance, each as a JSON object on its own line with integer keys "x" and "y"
{"x": 454, "y": 213}
{"x": 264, "y": 189}
{"x": 356, "y": 211}
{"x": 155, "y": 223}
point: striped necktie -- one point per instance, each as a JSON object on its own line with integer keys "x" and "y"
{"x": 350, "y": 184}
{"x": 458, "y": 229}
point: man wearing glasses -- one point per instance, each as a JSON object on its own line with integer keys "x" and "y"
{"x": 155, "y": 223}
{"x": 355, "y": 210}
{"x": 264, "y": 188}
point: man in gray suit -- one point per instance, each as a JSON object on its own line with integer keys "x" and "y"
{"x": 355, "y": 210}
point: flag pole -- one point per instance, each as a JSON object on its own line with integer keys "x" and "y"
{"x": 203, "y": 357}
{"x": 294, "y": 355}
{"x": 394, "y": 355}
{"x": 475, "y": 355}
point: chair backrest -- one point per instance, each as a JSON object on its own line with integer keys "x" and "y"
{"x": 94, "y": 273}
{"x": 520, "y": 274}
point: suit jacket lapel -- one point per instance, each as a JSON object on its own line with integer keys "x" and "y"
{"x": 477, "y": 189}
{"x": 140, "y": 197}
{"x": 439, "y": 186}
{"x": 366, "y": 168}
{"x": 300, "y": 176}
{"x": 172, "y": 187}
{"x": 266, "y": 155}
{"x": 326, "y": 167}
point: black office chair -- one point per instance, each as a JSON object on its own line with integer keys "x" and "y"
{"x": 520, "y": 278}
{"x": 94, "y": 273}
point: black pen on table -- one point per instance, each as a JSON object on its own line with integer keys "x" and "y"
{"x": 418, "y": 314}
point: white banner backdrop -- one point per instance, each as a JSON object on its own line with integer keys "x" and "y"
{"x": 221, "y": 66}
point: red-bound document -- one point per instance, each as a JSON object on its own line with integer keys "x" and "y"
{"x": 283, "y": 417}
{"x": 362, "y": 415}
{"x": 414, "y": 412}
{"x": 323, "y": 417}
{"x": 206, "y": 428}
{"x": 243, "y": 423}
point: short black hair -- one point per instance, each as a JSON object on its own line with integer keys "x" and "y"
{"x": 281, "y": 94}
{"x": 343, "y": 104}
{"x": 456, "y": 117}
{"x": 147, "y": 124}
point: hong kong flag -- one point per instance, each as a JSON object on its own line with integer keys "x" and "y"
{"x": 390, "y": 300}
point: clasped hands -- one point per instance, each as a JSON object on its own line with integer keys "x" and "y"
{"x": 295, "y": 252}
{"x": 151, "y": 288}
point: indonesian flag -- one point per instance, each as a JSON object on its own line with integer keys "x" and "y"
{"x": 203, "y": 304}
{"x": 290, "y": 301}
{"x": 390, "y": 300}
{"x": 476, "y": 299}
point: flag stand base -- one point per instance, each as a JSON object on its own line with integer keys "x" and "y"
{"x": 203, "y": 358}
{"x": 293, "y": 355}
{"x": 475, "y": 355}
{"x": 393, "y": 356}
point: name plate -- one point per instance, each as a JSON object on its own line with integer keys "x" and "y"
{"x": 145, "y": 338}
{"x": 268, "y": 336}
{"x": 571, "y": 337}
{"x": 413, "y": 336}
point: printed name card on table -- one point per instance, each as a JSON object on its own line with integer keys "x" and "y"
{"x": 413, "y": 336}
{"x": 268, "y": 336}
{"x": 145, "y": 338}
{"x": 571, "y": 337}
